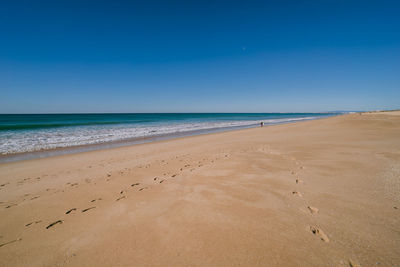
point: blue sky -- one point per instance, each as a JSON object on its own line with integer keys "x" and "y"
{"x": 199, "y": 56}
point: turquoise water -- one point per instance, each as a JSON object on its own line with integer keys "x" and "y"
{"x": 38, "y": 132}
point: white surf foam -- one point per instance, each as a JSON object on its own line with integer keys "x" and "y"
{"x": 41, "y": 139}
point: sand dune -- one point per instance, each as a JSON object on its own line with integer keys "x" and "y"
{"x": 316, "y": 193}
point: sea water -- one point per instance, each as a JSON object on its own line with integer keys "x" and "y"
{"x": 21, "y": 133}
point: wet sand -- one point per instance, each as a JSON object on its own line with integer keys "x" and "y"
{"x": 315, "y": 193}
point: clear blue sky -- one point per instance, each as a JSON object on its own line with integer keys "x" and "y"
{"x": 199, "y": 56}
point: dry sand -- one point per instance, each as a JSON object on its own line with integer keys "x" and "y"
{"x": 316, "y": 193}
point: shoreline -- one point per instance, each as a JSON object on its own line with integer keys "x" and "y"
{"x": 45, "y": 153}
{"x": 317, "y": 193}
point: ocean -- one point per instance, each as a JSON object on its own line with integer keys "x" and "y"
{"x": 28, "y": 133}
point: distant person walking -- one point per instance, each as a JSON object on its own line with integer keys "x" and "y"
{"x": 262, "y": 124}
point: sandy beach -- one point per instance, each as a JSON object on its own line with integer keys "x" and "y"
{"x": 315, "y": 193}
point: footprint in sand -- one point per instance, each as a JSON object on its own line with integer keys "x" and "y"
{"x": 10, "y": 242}
{"x": 134, "y": 184}
{"x": 318, "y": 232}
{"x": 12, "y": 205}
{"x": 71, "y": 210}
{"x": 36, "y": 222}
{"x": 298, "y": 181}
{"x": 173, "y": 175}
{"x": 142, "y": 188}
{"x": 54, "y": 223}
{"x": 85, "y": 210}
{"x": 313, "y": 210}
{"x": 295, "y": 193}
{"x": 22, "y": 181}
{"x": 96, "y": 199}
{"x": 155, "y": 178}
{"x": 118, "y": 199}
{"x": 161, "y": 181}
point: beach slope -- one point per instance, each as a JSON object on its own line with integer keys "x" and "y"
{"x": 316, "y": 193}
